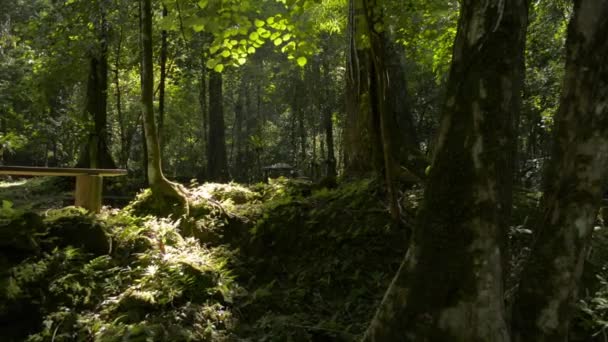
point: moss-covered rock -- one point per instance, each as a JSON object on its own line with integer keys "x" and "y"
{"x": 72, "y": 226}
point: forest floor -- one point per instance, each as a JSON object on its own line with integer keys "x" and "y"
{"x": 284, "y": 261}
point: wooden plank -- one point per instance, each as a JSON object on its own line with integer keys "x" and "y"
{"x": 59, "y": 171}
{"x": 88, "y": 192}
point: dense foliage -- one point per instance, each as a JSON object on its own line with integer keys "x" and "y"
{"x": 445, "y": 150}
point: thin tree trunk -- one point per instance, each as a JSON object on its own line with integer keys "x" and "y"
{"x": 162, "y": 189}
{"x": 295, "y": 113}
{"x": 450, "y": 287}
{"x": 202, "y": 99}
{"x": 239, "y": 113}
{"x": 124, "y": 146}
{"x": 573, "y": 184}
{"x": 163, "y": 81}
{"x": 329, "y": 125}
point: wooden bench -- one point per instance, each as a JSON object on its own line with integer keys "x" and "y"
{"x": 88, "y": 181}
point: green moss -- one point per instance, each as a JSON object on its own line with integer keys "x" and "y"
{"x": 295, "y": 261}
{"x": 72, "y": 226}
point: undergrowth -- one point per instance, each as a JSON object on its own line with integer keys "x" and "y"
{"x": 279, "y": 261}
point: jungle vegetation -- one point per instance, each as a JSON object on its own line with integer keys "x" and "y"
{"x": 306, "y": 170}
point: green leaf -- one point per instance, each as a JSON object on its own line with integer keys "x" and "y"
{"x": 7, "y": 205}
{"x": 251, "y": 50}
{"x": 203, "y": 3}
{"x": 211, "y": 63}
{"x": 259, "y": 23}
{"x": 278, "y": 42}
{"x": 219, "y": 68}
{"x": 214, "y": 49}
{"x": 242, "y": 61}
{"x": 265, "y": 34}
{"x": 302, "y": 61}
{"x": 254, "y": 36}
{"x": 225, "y": 54}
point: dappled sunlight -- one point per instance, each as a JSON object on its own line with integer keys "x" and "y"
{"x": 11, "y": 184}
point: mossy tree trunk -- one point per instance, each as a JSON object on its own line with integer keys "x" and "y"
{"x": 573, "y": 184}
{"x": 358, "y": 138}
{"x": 165, "y": 193}
{"x": 379, "y": 128}
{"x": 450, "y": 285}
{"x": 369, "y": 141}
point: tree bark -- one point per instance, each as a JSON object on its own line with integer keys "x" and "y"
{"x": 449, "y": 286}
{"x": 216, "y": 148}
{"x": 240, "y": 170}
{"x": 96, "y": 154}
{"x": 573, "y": 184}
{"x": 124, "y": 145}
{"x": 402, "y": 132}
{"x": 162, "y": 83}
{"x": 361, "y": 141}
{"x": 162, "y": 189}
{"x": 328, "y": 124}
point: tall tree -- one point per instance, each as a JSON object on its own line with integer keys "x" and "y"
{"x": 217, "y": 162}
{"x": 449, "y": 286}
{"x": 96, "y": 154}
{"x": 573, "y": 183}
{"x": 162, "y": 82}
{"x": 371, "y": 146}
{"x": 162, "y": 189}
{"x": 328, "y": 125}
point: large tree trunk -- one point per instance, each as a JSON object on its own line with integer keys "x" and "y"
{"x": 162, "y": 189}
{"x": 96, "y": 154}
{"x": 573, "y": 185}
{"x": 379, "y": 130}
{"x": 361, "y": 139}
{"x": 450, "y": 286}
{"x": 371, "y": 140}
{"x": 217, "y": 162}
{"x": 399, "y": 116}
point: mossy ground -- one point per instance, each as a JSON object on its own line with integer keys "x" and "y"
{"x": 284, "y": 261}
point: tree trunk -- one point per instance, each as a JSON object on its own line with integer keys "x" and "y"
{"x": 449, "y": 286}
{"x": 162, "y": 189}
{"x": 400, "y": 120}
{"x": 573, "y": 184}
{"x": 96, "y": 154}
{"x": 163, "y": 81}
{"x": 239, "y": 117}
{"x": 216, "y": 148}
{"x": 202, "y": 99}
{"x": 361, "y": 141}
{"x": 328, "y": 124}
